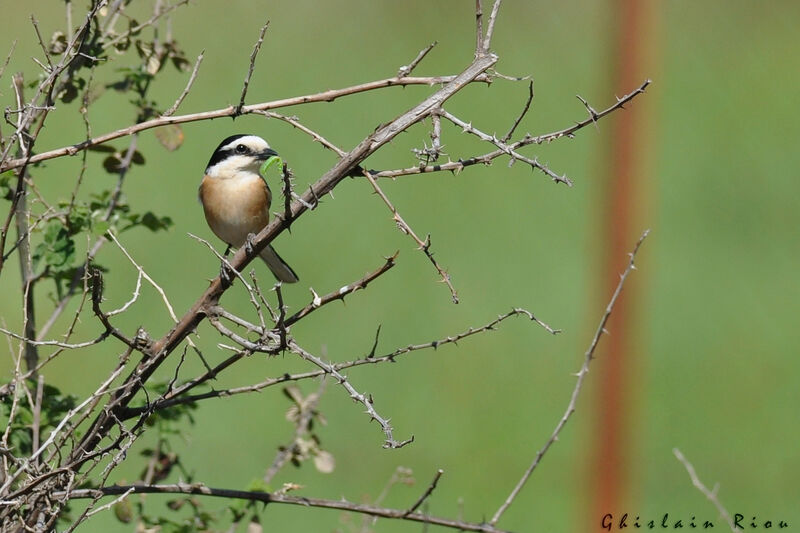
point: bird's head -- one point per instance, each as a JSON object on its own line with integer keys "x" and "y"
{"x": 239, "y": 154}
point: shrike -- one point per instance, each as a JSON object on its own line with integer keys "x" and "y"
{"x": 236, "y": 197}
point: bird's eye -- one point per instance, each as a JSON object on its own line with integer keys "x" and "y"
{"x": 241, "y": 149}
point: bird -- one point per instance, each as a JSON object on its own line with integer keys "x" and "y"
{"x": 236, "y": 197}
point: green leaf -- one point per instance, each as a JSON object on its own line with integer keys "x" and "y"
{"x": 100, "y": 227}
{"x": 181, "y": 63}
{"x": 155, "y": 223}
{"x": 58, "y": 249}
{"x": 54, "y": 407}
{"x": 79, "y": 218}
{"x": 6, "y": 187}
{"x": 112, "y": 164}
{"x": 257, "y": 485}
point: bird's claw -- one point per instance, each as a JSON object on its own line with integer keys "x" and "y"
{"x": 226, "y": 273}
{"x": 249, "y": 242}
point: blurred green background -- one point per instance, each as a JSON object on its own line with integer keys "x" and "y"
{"x": 715, "y": 334}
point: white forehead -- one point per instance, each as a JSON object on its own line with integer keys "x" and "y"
{"x": 251, "y": 141}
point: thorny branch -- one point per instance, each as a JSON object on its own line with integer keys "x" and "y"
{"x": 403, "y": 226}
{"x": 230, "y": 111}
{"x": 178, "y": 397}
{"x": 266, "y": 497}
{"x": 364, "y": 399}
{"x": 528, "y": 139}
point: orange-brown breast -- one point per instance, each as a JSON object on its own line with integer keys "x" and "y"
{"x": 235, "y": 207}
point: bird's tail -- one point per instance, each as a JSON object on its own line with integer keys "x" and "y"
{"x": 278, "y": 266}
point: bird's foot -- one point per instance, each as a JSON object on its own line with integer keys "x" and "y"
{"x": 226, "y": 273}
{"x": 249, "y": 242}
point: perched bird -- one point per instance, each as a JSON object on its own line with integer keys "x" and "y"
{"x": 236, "y": 198}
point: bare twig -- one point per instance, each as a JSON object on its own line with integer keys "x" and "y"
{"x": 478, "y": 27}
{"x": 313, "y": 134}
{"x": 425, "y": 245}
{"x": 146, "y": 276}
{"x": 59, "y": 344}
{"x": 251, "y": 68}
{"x": 711, "y": 494}
{"x": 525, "y": 109}
{"x": 8, "y": 58}
{"x": 487, "y": 41}
{"x": 406, "y": 70}
{"x": 587, "y": 359}
{"x": 590, "y": 109}
{"x": 427, "y": 492}
{"x": 319, "y": 301}
{"x": 41, "y": 44}
{"x": 365, "y": 400}
{"x": 436, "y": 136}
{"x": 169, "y": 112}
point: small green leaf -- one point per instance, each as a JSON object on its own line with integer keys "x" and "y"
{"x": 132, "y": 25}
{"x": 78, "y": 218}
{"x": 154, "y": 222}
{"x": 6, "y": 187}
{"x": 181, "y": 63}
{"x": 58, "y": 249}
{"x": 100, "y": 227}
{"x": 257, "y": 485}
{"x": 112, "y": 164}
{"x": 144, "y": 49}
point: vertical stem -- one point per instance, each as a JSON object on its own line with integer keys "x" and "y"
{"x": 23, "y": 237}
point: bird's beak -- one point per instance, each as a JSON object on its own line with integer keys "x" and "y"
{"x": 266, "y": 154}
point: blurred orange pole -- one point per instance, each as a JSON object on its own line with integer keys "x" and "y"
{"x": 613, "y": 437}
